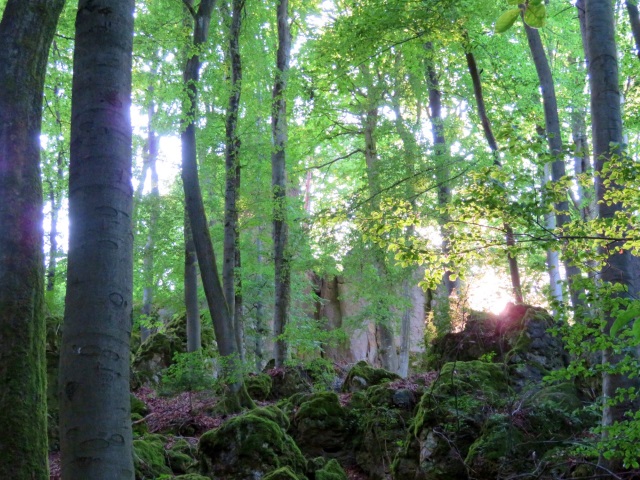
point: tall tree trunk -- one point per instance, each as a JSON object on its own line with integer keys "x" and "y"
{"x": 237, "y": 396}
{"x": 621, "y": 266}
{"x": 447, "y": 286}
{"x": 232, "y": 164}
{"x": 95, "y": 422}
{"x": 26, "y": 32}
{"x": 192, "y": 306}
{"x": 554, "y": 140}
{"x": 386, "y": 350}
{"x": 55, "y": 198}
{"x": 514, "y": 270}
{"x": 279, "y": 185}
{"x": 260, "y": 328}
{"x": 154, "y": 199}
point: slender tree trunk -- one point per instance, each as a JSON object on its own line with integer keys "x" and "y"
{"x": 554, "y": 139}
{"x": 260, "y": 328}
{"x": 634, "y": 20}
{"x": 154, "y": 198}
{"x": 447, "y": 286}
{"x": 279, "y": 185}
{"x": 55, "y": 198}
{"x": 222, "y": 322}
{"x": 621, "y": 267}
{"x": 232, "y": 165}
{"x": 194, "y": 325}
{"x": 95, "y": 421}
{"x": 26, "y": 32}
{"x": 514, "y": 270}
{"x": 386, "y": 350}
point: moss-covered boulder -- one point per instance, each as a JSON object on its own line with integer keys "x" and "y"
{"x": 382, "y": 415}
{"x": 149, "y": 457}
{"x": 518, "y": 337}
{"x": 321, "y": 426}
{"x": 258, "y": 386}
{"x": 156, "y": 352}
{"x": 273, "y": 413}
{"x": 181, "y": 457}
{"x": 331, "y": 471}
{"x": 191, "y": 476}
{"x": 362, "y": 376}
{"x": 449, "y": 418}
{"x": 283, "y": 473}
{"x": 248, "y": 446}
{"x": 288, "y": 381}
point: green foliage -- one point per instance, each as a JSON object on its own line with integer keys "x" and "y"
{"x": 189, "y": 372}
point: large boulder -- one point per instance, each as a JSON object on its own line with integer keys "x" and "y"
{"x": 382, "y": 415}
{"x": 249, "y": 446}
{"x": 362, "y": 376}
{"x": 518, "y": 337}
{"x": 157, "y": 352}
{"x": 321, "y": 426}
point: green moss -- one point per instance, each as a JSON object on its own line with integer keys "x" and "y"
{"x": 331, "y": 471}
{"x": 274, "y": 414}
{"x": 362, "y": 375}
{"x": 149, "y": 457}
{"x": 321, "y": 425}
{"x": 138, "y": 406}
{"x": 248, "y": 443}
{"x": 495, "y": 448}
{"x": 191, "y": 476}
{"x": 258, "y": 386}
{"x": 283, "y": 473}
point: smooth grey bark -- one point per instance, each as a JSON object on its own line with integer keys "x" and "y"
{"x": 554, "y": 140}
{"x": 514, "y": 270}
{"x": 279, "y": 185}
{"x": 95, "y": 420}
{"x": 237, "y": 396}
{"x": 260, "y": 329}
{"x": 231, "y": 253}
{"x": 621, "y": 266}
{"x": 154, "y": 200}
{"x": 192, "y": 306}
{"x": 26, "y": 32}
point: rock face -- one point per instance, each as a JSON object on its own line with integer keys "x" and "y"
{"x": 488, "y": 414}
{"x": 518, "y": 337}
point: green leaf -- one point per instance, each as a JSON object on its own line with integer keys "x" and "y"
{"x": 535, "y": 3}
{"x": 513, "y": 2}
{"x": 535, "y": 15}
{"x": 506, "y": 20}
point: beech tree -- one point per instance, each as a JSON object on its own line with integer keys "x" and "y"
{"x": 95, "y": 421}
{"x": 26, "y": 33}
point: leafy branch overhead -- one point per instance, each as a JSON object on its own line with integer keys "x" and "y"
{"x": 534, "y": 14}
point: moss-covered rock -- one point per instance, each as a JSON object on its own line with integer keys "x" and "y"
{"x": 321, "y": 426}
{"x": 362, "y": 376}
{"x": 381, "y": 425}
{"x": 156, "y": 352}
{"x": 149, "y": 457}
{"x": 181, "y": 457}
{"x": 331, "y": 471}
{"x": 283, "y": 473}
{"x": 288, "y": 381}
{"x": 258, "y": 386}
{"x": 191, "y": 476}
{"x": 273, "y": 413}
{"x": 248, "y": 446}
